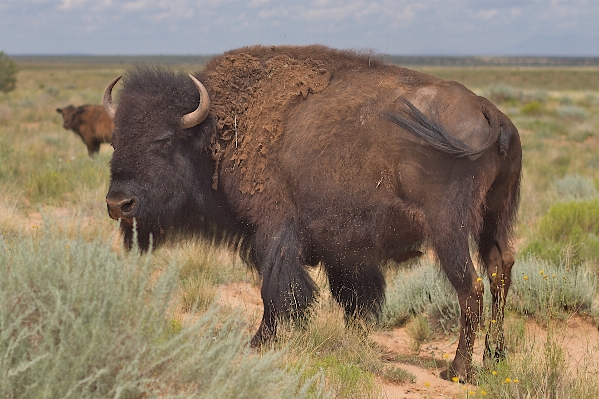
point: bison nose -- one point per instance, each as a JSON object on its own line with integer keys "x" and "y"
{"x": 122, "y": 208}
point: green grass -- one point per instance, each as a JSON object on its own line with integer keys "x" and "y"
{"x": 568, "y": 230}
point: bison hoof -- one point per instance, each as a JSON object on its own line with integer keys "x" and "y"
{"x": 451, "y": 374}
{"x": 263, "y": 336}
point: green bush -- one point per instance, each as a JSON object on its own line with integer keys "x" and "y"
{"x": 78, "y": 321}
{"x": 569, "y": 229}
{"x": 532, "y": 108}
{"x": 8, "y": 73}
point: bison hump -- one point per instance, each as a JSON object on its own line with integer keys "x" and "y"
{"x": 252, "y": 97}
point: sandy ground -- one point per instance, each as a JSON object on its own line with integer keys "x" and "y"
{"x": 577, "y": 338}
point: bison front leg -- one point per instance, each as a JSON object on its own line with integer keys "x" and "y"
{"x": 287, "y": 289}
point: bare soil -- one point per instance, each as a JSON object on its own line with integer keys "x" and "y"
{"x": 577, "y": 337}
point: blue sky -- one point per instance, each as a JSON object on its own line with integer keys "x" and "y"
{"x": 409, "y": 27}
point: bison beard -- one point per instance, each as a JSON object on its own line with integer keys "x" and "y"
{"x": 301, "y": 156}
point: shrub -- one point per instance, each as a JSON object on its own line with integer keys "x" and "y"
{"x": 422, "y": 289}
{"x": 78, "y": 321}
{"x": 575, "y": 188}
{"x": 572, "y": 112}
{"x": 8, "y": 73}
{"x": 543, "y": 289}
{"x": 501, "y": 93}
{"x": 532, "y": 108}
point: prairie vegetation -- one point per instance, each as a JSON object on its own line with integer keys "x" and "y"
{"x": 80, "y": 317}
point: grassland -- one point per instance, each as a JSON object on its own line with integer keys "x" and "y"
{"x": 61, "y": 254}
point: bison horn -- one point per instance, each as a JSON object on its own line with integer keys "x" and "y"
{"x": 109, "y": 107}
{"x": 199, "y": 115}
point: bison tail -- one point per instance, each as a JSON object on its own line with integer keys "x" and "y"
{"x": 432, "y": 132}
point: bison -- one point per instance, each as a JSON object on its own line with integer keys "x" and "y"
{"x": 307, "y": 156}
{"x": 90, "y": 122}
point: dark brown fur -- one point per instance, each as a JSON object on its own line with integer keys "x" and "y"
{"x": 318, "y": 156}
{"x": 90, "y": 122}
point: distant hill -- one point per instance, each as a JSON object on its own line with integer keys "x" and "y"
{"x": 407, "y": 60}
{"x": 491, "y": 61}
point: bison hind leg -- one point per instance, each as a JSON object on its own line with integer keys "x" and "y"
{"x": 287, "y": 288}
{"x": 359, "y": 287}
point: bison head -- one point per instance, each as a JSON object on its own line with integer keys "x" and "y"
{"x": 157, "y": 171}
{"x": 68, "y": 114}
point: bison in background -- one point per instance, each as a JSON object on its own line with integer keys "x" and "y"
{"x": 90, "y": 122}
{"x": 306, "y": 156}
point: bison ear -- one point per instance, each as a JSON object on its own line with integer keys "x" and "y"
{"x": 59, "y": 110}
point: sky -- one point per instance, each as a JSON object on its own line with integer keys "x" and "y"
{"x": 395, "y": 27}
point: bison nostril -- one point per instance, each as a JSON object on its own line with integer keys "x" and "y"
{"x": 122, "y": 208}
{"x": 127, "y": 206}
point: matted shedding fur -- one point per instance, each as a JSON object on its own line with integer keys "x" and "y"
{"x": 253, "y": 88}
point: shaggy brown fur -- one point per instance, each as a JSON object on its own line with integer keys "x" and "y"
{"x": 317, "y": 156}
{"x": 90, "y": 122}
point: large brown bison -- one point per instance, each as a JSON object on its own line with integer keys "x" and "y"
{"x": 90, "y": 122}
{"x": 308, "y": 155}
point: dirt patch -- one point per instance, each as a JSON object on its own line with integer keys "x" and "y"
{"x": 577, "y": 336}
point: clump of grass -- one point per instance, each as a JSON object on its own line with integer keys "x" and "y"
{"x": 203, "y": 266}
{"x": 419, "y": 330}
{"x": 421, "y": 289}
{"x": 540, "y": 370}
{"x": 78, "y": 321}
{"x": 347, "y": 380}
{"x": 349, "y": 361}
{"x": 542, "y": 289}
{"x": 399, "y": 375}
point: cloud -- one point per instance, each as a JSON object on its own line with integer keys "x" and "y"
{"x": 391, "y": 26}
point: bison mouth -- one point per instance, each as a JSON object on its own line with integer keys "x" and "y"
{"x": 137, "y": 234}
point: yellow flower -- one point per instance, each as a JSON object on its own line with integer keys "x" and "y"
{"x": 471, "y": 393}
{"x": 542, "y": 272}
{"x": 493, "y": 321}
{"x": 494, "y": 372}
{"x": 516, "y": 381}
{"x": 483, "y": 392}
{"x": 446, "y": 356}
{"x": 479, "y": 279}
{"x": 494, "y": 274}
{"x": 508, "y": 380}
{"x": 455, "y": 379}
{"x": 427, "y": 384}
{"x": 525, "y": 277}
